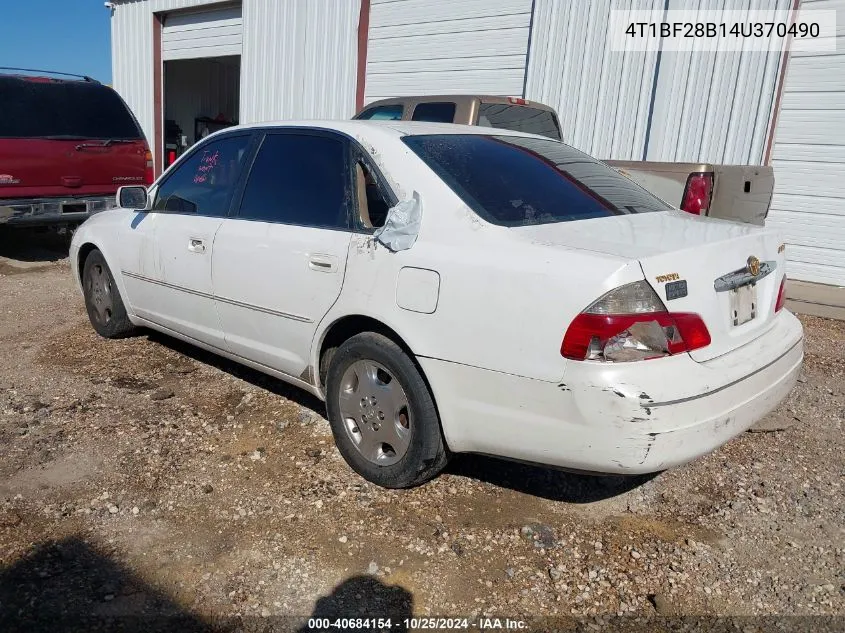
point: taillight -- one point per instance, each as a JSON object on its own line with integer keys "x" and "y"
{"x": 518, "y": 101}
{"x": 781, "y": 295}
{"x": 149, "y": 170}
{"x": 631, "y": 323}
{"x": 697, "y": 193}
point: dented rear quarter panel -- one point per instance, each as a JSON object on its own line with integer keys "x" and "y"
{"x": 504, "y": 304}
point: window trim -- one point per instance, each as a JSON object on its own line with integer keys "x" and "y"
{"x": 360, "y": 154}
{"x": 261, "y": 135}
{"x": 248, "y": 158}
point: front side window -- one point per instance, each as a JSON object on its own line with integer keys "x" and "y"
{"x": 298, "y": 179}
{"x": 435, "y": 112}
{"x": 382, "y": 113}
{"x": 203, "y": 184}
{"x": 519, "y": 181}
{"x": 519, "y": 118}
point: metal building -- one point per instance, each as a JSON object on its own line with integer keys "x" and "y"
{"x": 188, "y": 67}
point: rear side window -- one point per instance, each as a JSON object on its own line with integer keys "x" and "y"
{"x": 298, "y": 179}
{"x": 63, "y": 109}
{"x": 382, "y": 113}
{"x": 435, "y": 112}
{"x": 519, "y": 118}
{"x": 204, "y": 182}
{"x": 518, "y": 181}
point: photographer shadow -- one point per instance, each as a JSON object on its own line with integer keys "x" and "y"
{"x": 363, "y": 597}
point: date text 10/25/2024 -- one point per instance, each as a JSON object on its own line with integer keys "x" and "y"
{"x": 414, "y": 624}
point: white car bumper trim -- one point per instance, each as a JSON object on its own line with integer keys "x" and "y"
{"x": 653, "y": 405}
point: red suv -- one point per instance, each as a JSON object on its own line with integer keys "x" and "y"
{"x": 65, "y": 148}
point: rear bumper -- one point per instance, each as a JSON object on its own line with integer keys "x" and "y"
{"x": 52, "y": 211}
{"x": 622, "y": 418}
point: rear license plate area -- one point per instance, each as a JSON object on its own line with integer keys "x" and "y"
{"x": 74, "y": 207}
{"x": 743, "y": 304}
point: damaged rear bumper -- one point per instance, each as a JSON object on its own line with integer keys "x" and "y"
{"x": 624, "y": 418}
{"x": 52, "y": 211}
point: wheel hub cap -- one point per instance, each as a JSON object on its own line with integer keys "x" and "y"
{"x": 375, "y": 412}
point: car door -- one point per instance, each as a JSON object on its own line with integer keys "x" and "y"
{"x": 187, "y": 210}
{"x": 279, "y": 263}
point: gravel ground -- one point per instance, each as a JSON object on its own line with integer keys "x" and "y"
{"x": 144, "y": 477}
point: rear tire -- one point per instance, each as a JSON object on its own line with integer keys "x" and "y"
{"x": 382, "y": 414}
{"x": 102, "y": 299}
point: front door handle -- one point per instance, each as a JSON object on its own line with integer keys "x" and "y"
{"x": 196, "y": 245}
{"x": 322, "y": 263}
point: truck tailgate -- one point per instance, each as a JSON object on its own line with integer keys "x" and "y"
{"x": 741, "y": 193}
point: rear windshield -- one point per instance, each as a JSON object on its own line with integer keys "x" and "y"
{"x": 63, "y": 109}
{"x": 519, "y": 118}
{"x": 516, "y": 181}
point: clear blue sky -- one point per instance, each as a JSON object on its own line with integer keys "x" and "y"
{"x": 71, "y": 36}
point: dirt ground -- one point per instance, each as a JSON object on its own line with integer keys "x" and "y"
{"x": 144, "y": 477}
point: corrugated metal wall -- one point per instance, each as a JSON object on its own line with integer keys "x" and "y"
{"x": 300, "y": 59}
{"x": 201, "y": 87}
{"x": 602, "y": 97}
{"x": 671, "y": 106}
{"x": 445, "y": 46}
{"x": 808, "y": 205}
{"x": 715, "y": 107}
{"x": 132, "y": 54}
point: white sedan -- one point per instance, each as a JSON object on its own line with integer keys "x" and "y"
{"x": 454, "y": 289}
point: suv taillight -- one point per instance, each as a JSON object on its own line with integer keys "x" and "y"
{"x": 781, "y": 295}
{"x": 697, "y": 193}
{"x": 631, "y": 323}
{"x": 149, "y": 170}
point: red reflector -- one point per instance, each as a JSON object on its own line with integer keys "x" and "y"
{"x": 781, "y": 295}
{"x": 517, "y": 101}
{"x": 697, "y": 193}
{"x": 171, "y": 157}
{"x": 596, "y": 329}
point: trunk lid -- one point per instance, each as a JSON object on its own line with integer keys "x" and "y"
{"x": 38, "y": 167}
{"x": 675, "y": 247}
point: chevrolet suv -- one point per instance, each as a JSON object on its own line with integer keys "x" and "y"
{"x": 66, "y": 145}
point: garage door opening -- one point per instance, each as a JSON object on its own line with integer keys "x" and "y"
{"x": 201, "y": 96}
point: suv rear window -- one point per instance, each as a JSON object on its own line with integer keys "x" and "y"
{"x": 519, "y": 181}
{"x": 519, "y": 118}
{"x": 63, "y": 109}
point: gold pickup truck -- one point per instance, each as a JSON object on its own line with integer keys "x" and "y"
{"x": 741, "y": 193}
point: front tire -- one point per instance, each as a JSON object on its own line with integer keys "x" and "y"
{"x": 102, "y": 299}
{"x": 382, "y": 414}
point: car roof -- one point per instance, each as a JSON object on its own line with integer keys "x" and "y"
{"x": 389, "y": 128}
{"x": 456, "y": 98}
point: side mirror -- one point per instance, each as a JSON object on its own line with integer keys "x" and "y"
{"x": 132, "y": 197}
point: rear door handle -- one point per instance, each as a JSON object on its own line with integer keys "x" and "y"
{"x": 322, "y": 263}
{"x": 196, "y": 245}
